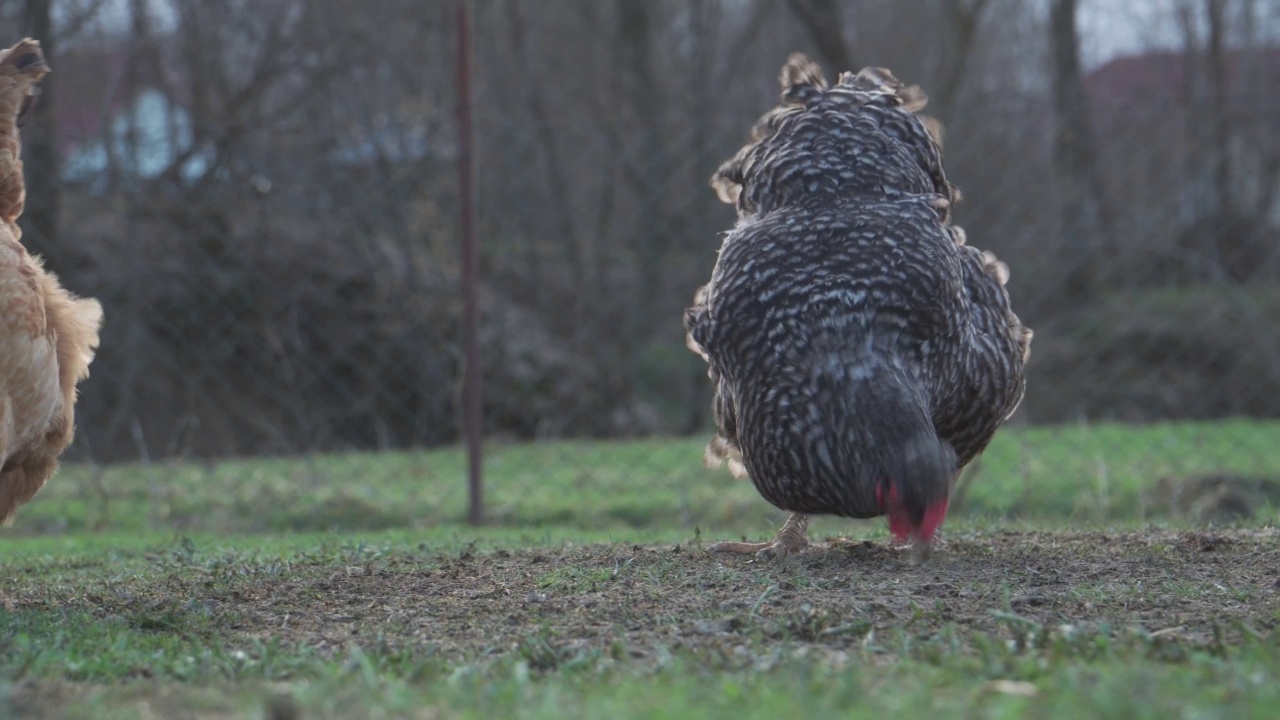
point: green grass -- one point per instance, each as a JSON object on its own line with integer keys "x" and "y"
{"x": 172, "y": 656}
{"x": 1120, "y": 683}
{"x": 138, "y": 591}
{"x": 1081, "y": 474}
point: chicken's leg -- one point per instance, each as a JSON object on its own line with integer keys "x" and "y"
{"x": 792, "y": 539}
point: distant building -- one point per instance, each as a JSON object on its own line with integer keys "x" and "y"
{"x": 113, "y": 127}
{"x": 1151, "y": 115}
{"x": 109, "y": 124}
{"x": 141, "y": 140}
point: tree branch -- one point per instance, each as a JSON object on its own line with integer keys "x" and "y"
{"x": 824, "y": 23}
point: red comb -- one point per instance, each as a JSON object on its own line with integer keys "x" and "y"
{"x": 900, "y": 525}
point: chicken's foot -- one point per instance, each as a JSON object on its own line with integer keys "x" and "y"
{"x": 792, "y": 539}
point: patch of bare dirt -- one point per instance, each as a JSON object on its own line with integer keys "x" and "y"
{"x": 1183, "y": 585}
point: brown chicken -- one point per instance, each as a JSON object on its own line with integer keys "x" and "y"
{"x": 47, "y": 335}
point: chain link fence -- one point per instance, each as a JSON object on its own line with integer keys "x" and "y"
{"x": 264, "y": 197}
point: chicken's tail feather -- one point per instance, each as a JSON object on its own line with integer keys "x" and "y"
{"x": 803, "y": 84}
{"x": 800, "y": 78}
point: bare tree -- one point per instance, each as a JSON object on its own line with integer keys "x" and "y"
{"x": 1231, "y": 165}
{"x": 1220, "y": 102}
{"x": 40, "y": 221}
{"x": 1086, "y": 224}
{"x": 300, "y": 248}
{"x": 959, "y": 35}
{"x": 823, "y": 21}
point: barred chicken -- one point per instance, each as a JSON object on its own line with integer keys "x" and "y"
{"x": 860, "y": 352}
{"x": 47, "y": 335}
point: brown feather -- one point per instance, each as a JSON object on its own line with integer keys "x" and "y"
{"x": 47, "y": 335}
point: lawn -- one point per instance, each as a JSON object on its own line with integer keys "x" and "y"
{"x": 1087, "y": 571}
{"x": 1085, "y": 474}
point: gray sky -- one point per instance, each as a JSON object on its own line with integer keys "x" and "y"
{"x": 1109, "y": 28}
{"x": 1120, "y": 27}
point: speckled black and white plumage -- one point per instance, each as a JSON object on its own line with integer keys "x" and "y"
{"x": 861, "y": 353}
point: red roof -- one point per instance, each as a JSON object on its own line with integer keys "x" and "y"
{"x": 1160, "y": 79}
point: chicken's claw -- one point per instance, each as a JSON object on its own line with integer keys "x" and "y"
{"x": 792, "y": 539}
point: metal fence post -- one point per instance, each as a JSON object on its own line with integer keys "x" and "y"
{"x": 472, "y": 409}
